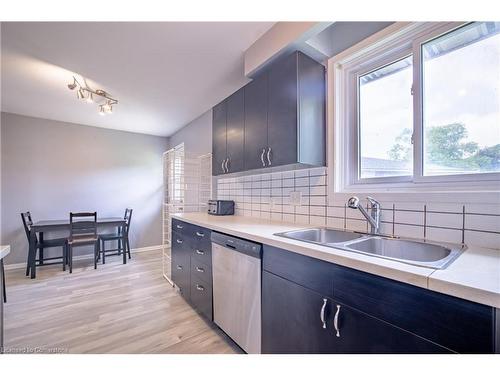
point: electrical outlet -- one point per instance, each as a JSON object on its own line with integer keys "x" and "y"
{"x": 295, "y": 198}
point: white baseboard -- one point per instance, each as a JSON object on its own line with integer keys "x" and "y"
{"x": 89, "y": 256}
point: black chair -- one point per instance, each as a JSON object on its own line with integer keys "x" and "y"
{"x": 121, "y": 237}
{"x": 42, "y": 244}
{"x": 82, "y": 232}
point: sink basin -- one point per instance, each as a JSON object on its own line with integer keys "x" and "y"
{"x": 422, "y": 254}
{"x": 413, "y": 252}
{"x": 320, "y": 236}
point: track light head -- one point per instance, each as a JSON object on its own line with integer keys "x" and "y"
{"x": 108, "y": 108}
{"x": 83, "y": 92}
{"x": 80, "y": 94}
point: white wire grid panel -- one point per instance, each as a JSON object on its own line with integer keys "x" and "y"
{"x": 187, "y": 181}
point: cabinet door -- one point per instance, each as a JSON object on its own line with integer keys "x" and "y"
{"x": 181, "y": 263}
{"x": 236, "y": 131}
{"x": 361, "y": 333}
{"x": 255, "y": 122}
{"x": 291, "y": 318}
{"x": 282, "y": 120}
{"x": 219, "y": 117}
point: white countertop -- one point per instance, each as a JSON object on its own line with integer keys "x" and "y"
{"x": 4, "y": 251}
{"x": 474, "y": 275}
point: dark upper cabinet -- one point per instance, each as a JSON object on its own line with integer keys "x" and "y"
{"x": 256, "y": 108}
{"x": 282, "y": 115}
{"x": 219, "y": 139}
{"x": 283, "y": 119}
{"x": 235, "y": 131}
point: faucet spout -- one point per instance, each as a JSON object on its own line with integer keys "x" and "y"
{"x": 374, "y": 218}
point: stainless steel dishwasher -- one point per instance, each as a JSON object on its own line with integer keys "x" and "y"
{"x": 236, "y": 267}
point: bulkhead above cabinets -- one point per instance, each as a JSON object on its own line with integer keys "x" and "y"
{"x": 277, "y": 119}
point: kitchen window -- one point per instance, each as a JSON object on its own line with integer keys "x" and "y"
{"x": 418, "y": 106}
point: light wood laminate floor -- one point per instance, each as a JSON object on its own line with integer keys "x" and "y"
{"x": 115, "y": 309}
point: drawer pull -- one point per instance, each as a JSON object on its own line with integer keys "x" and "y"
{"x": 178, "y": 241}
{"x": 200, "y": 234}
{"x": 200, "y": 252}
{"x": 322, "y": 313}
{"x": 179, "y": 226}
{"x": 199, "y": 269}
{"x": 179, "y": 267}
{"x": 200, "y": 287}
{"x": 336, "y": 321}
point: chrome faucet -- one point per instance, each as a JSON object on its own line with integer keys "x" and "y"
{"x": 374, "y": 218}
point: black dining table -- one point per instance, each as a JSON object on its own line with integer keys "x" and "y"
{"x": 44, "y": 226}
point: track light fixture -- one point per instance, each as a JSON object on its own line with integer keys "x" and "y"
{"x": 101, "y": 97}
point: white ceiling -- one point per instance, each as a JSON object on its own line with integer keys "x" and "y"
{"x": 164, "y": 74}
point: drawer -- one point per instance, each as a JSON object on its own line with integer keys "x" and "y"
{"x": 201, "y": 270}
{"x": 457, "y": 324}
{"x": 202, "y": 253}
{"x": 201, "y": 296}
{"x": 181, "y": 262}
{"x": 181, "y": 227}
{"x": 306, "y": 271}
{"x": 200, "y": 237}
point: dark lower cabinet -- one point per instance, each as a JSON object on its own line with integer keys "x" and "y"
{"x": 1, "y": 304}
{"x": 181, "y": 263}
{"x": 192, "y": 265}
{"x": 375, "y": 314}
{"x": 201, "y": 295}
{"x": 291, "y": 318}
{"x": 297, "y": 320}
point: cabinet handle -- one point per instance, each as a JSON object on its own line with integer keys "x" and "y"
{"x": 200, "y": 252}
{"x": 322, "y": 313}
{"x": 200, "y": 234}
{"x": 222, "y": 166}
{"x": 178, "y": 241}
{"x": 226, "y": 165}
{"x": 179, "y": 267}
{"x": 269, "y": 156}
{"x": 336, "y": 321}
{"x": 262, "y": 157}
{"x": 179, "y": 226}
{"x": 200, "y": 287}
{"x": 199, "y": 269}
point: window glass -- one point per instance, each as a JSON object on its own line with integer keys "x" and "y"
{"x": 385, "y": 121}
{"x": 461, "y": 101}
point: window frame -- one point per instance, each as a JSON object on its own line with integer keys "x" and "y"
{"x": 391, "y": 44}
{"x": 356, "y": 156}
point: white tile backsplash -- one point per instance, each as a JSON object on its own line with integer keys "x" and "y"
{"x": 267, "y": 196}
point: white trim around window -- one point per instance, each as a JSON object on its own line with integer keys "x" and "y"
{"x": 394, "y": 42}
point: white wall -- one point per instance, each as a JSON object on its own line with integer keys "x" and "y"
{"x": 51, "y": 168}
{"x": 197, "y": 135}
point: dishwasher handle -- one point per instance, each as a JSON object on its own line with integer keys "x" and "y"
{"x": 246, "y": 247}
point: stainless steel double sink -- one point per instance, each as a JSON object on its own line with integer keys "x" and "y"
{"x": 417, "y": 253}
